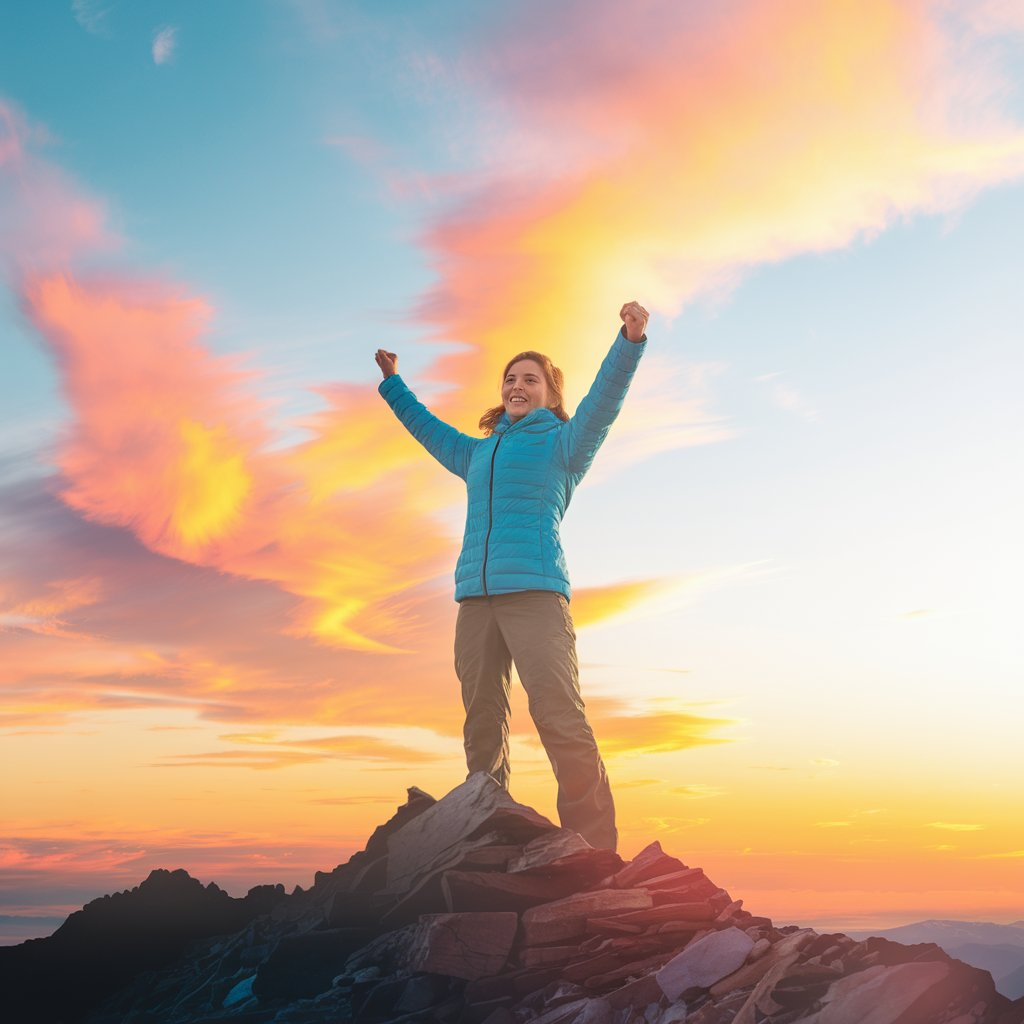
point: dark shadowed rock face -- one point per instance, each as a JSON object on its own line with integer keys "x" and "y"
{"x": 476, "y": 910}
{"x": 102, "y": 947}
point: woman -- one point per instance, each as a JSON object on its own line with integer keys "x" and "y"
{"x": 511, "y": 580}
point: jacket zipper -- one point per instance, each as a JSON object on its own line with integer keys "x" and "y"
{"x": 490, "y": 515}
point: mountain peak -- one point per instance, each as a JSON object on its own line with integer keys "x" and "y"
{"x": 476, "y": 908}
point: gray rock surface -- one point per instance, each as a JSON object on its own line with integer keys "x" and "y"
{"x": 704, "y": 962}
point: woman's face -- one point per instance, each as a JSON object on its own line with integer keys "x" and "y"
{"x": 524, "y": 389}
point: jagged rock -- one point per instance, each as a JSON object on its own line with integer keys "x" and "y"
{"x": 565, "y": 918}
{"x": 473, "y": 890}
{"x": 704, "y": 962}
{"x": 101, "y": 948}
{"x": 476, "y": 909}
{"x": 565, "y": 853}
{"x": 778, "y": 957}
{"x": 881, "y": 995}
{"x": 650, "y": 862}
{"x": 427, "y": 896}
{"x": 303, "y": 965}
{"x": 467, "y": 946}
{"x": 478, "y": 805}
{"x": 240, "y": 993}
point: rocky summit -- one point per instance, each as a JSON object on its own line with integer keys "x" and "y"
{"x": 475, "y": 909}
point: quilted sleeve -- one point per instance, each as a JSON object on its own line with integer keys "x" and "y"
{"x": 449, "y": 446}
{"x": 588, "y": 428}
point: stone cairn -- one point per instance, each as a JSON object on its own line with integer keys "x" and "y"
{"x": 477, "y": 910}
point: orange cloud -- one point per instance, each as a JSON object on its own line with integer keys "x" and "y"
{"x": 169, "y": 441}
{"x": 662, "y": 726}
{"x": 594, "y": 604}
{"x": 736, "y": 136}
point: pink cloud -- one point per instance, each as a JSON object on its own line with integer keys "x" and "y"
{"x": 45, "y": 218}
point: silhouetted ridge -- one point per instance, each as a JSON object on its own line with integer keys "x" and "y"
{"x": 102, "y": 947}
{"x": 475, "y": 909}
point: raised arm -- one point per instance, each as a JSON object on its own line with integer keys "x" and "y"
{"x": 449, "y": 446}
{"x": 586, "y": 431}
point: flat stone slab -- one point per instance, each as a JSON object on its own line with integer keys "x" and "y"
{"x": 565, "y": 918}
{"x": 879, "y": 995}
{"x": 494, "y": 890}
{"x": 563, "y": 851}
{"x": 467, "y": 946}
{"x": 478, "y": 805}
{"x": 705, "y": 961}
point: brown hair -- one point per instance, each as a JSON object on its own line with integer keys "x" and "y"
{"x": 556, "y": 382}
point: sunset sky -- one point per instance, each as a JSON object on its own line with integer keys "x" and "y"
{"x": 226, "y": 608}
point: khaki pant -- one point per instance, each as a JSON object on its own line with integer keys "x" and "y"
{"x": 534, "y": 629}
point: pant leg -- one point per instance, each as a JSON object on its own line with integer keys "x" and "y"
{"x": 484, "y": 667}
{"x": 538, "y": 630}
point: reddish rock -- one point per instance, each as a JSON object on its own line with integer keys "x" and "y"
{"x": 786, "y": 952}
{"x": 688, "y": 912}
{"x": 881, "y": 995}
{"x": 475, "y": 890}
{"x": 562, "y": 919}
{"x": 544, "y": 956}
{"x": 650, "y": 862}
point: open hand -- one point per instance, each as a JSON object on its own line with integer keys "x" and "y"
{"x": 387, "y": 361}
{"x": 635, "y": 317}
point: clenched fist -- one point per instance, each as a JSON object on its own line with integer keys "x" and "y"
{"x": 387, "y": 361}
{"x": 635, "y": 317}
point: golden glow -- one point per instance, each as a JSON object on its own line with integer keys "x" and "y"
{"x": 212, "y": 484}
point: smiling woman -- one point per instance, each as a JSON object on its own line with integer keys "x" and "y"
{"x": 511, "y": 580}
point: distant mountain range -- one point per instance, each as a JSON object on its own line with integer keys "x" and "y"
{"x": 996, "y": 948}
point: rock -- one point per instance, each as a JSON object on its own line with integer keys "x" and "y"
{"x": 688, "y": 912}
{"x": 627, "y": 971}
{"x": 704, "y": 962}
{"x": 675, "y": 1014}
{"x": 880, "y": 995}
{"x": 475, "y": 890}
{"x": 548, "y": 848}
{"x": 565, "y": 918}
{"x": 424, "y": 927}
{"x": 478, "y": 805}
{"x": 640, "y": 992}
{"x": 779, "y": 958}
{"x": 650, "y": 862}
{"x": 427, "y": 896}
{"x": 240, "y": 993}
{"x": 467, "y": 946}
{"x": 305, "y": 965}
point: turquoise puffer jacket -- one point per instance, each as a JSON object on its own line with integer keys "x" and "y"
{"x": 521, "y": 479}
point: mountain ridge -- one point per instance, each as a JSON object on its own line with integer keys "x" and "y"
{"x": 475, "y": 909}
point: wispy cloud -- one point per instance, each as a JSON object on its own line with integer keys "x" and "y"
{"x": 45, "y": 217}
{"x": 660, "y": 725}
{"x": 787, "y": 397}
{"x": 952, "y": 826}
{"x": 165, "y": 44}
{"x": 668, "y": 176}
{"x": 92, "y": 14}
{"x": 258, "y": 752}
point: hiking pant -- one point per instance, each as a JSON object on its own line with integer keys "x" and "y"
{"x": 532, "y": 628}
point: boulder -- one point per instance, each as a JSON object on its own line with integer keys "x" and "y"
{"x": 704, "y": 962}
{"x": 479, "y": 805}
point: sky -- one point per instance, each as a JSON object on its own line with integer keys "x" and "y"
{"x": 226, "y": 608}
